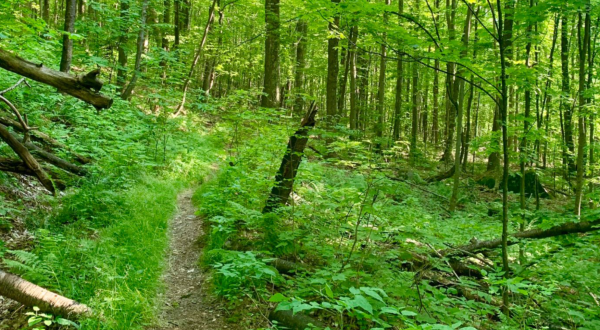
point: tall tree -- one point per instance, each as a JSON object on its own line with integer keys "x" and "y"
{"x": 333, "y": 65}
{"x": 271, "y": 97}
{"x": 583, "y": 43}
{"x": 69, "y": 27}
{"x": 381, "y": 86}
{"x": 299, "y": 75}
{"x": 138, "y": 55}
{"x": 399, "y": 79}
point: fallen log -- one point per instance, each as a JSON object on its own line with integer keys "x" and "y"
{"x": 53, "y": 159}
{"x": 17, "y": 166}
{"x": 564, "y": 229}
{"x": 29, "y": 294}
{"x": 84, "y": 87}
{"x": 44, "y": 138}
{"x": 284, "y": 180}
{"x": 298, "y": 321}
{"x": 27, "y": 158}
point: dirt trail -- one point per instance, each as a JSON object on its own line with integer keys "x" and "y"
{"x": 186, "y": 304}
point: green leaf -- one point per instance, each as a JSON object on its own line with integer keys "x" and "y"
{"x": 278, "y": 297}
{"x": 409, "y": 313}
{"x": 372, "y": 293}
{"x": 390, "y": 310}
{"x": 362, "y": 302}
{"x": 328, "y": 291}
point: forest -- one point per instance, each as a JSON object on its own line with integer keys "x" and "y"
{"x": 299, "y": 164}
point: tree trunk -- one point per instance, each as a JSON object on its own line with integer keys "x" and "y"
{"x": 415, "y": 113}
{"x": 188, "y": 79}
{"x": 399, "y": 79}
{"x": 459, "y": 114}
{"x": 69, "y": 27}
{"x": 301, "y": 29}
{"x": 46, "y": 11}
{"x": 583, "y": 47}
{"x": 284, "y": 180}
{"x": 128, "y": 91}
{"x": 176, "y": 22}
{"x": 566, "y": 91}
{"x": 333, "y": 66}
{"x": 77, "y": 86}
{"x": 31, "y": 295}
{"x": 353, "y": 80}
{"x": 381, "y": 89}
{"x": 122, "y": 55}
{"x": 27, "y": 158}
{"x": 271, "y": 97}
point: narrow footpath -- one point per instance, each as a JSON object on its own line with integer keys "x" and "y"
{"x": 186, "y": 304}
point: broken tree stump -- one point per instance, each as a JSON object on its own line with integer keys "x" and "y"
{"x": 284, "y": 180}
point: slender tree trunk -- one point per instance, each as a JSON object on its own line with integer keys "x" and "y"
{"x": 122, "y": 57}
{"x": 344, "y": 77}
{"x": 547, "y": 98}
{"x": 415, "y": 113}
{"x": 128, "y": 91}
{"x": 188, "y": 79}
{"x": 353, "y": 83}
{"x": 399, "y": 78}
{"x": 505, "y": 42}
{"x": 435, "y": 126}
{"x": 566, "y": 93}
{"x": 381, "y": 89}
{"x": 583, "y": 47}
{"x": 301, "y": 29}
{"x": 176, "y": 22}
{"x": 459, "y": 115}
{"x": 450, "y": 88}
{"x": 271, "y": 97}
{"x": 67, "y": 50}
{"x": 46, "y": 11}
{"x": 333, "y": 66}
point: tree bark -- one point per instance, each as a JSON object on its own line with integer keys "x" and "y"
{"x": 271, "y": 97}
{"x": 566, "y": 91}
{"x": 583, "y": 47}
{"x": 77, "y": 86}
{"x": 29, "y": 294}
{"x": 27, "y": 158}
{"x": 128, "y": 91}
{"x": 302, "y": 30}
{"x": 69, "y": 27}
{"x": 188, "y": 79}
{"x": 286, "y": 175}
{"x": 46, "y": 11}
{"x": 333, "y": 65}
{"x": 122, "y": 55}
{"x": 381, "y": 88}
{"x": 399, "y": 79}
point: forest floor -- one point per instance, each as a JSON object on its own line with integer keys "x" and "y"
{"x": 187, "y": 303}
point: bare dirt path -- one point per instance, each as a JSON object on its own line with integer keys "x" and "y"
{"x": 187, "y": 304}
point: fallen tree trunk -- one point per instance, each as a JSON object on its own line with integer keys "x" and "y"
{"x": 17, "y": 166}
{"x": 564, "y": 229}
{"x": 85, "y": 88}
{"x": 53, "y": 159}
{"x": 44, "y": 138}
{"x": 27, "y": 158}
{"x": 29, "y": 294}
{"x": 284, "y": 180}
